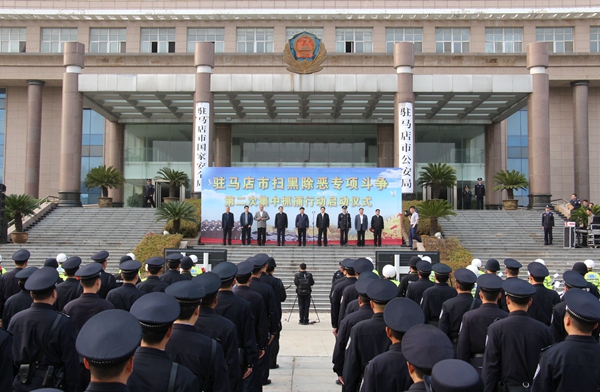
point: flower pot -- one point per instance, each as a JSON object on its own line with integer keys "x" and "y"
{"x": 510, "y": 204}
{"x": 19, "y": 237}
{"x": 170, "y": 199}
{"x": 105, "y": 202}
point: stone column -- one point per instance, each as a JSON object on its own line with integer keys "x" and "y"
{"x": 385, "y": 145}
{"x": 69, "y": 185}
{"x": 581, "y": 151}
{"x": 204, "y": 61}
{"x": 538, "y": 112}
{"x": 34, "y": 137}
{"x": 223, "y": 145}
{"x": 115, "y": 141}
{"x": 493, "y": 163}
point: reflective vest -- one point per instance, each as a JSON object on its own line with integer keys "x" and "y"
{"x": 593, "y": 278}
{"x": 394, "y": 281}
{"x": 548, "y": 283}
{"x": 432, "y": 277}
{"x": 474, "y": 290}
{"x": 61, "y": 273}
{"x": 3, "y": 271}
{"x": 195, "y": 271}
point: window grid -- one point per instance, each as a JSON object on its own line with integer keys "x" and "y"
{"x": 291, "y": 31}
{"x": 414, "y": 35}
{"x": 108, "y": 40}
{"x": 354, "y": 40}
{"x": 499, "y": 40}
{"x": 216, "y": 35}
{"x": 255, "y": 40}
{"x": 452, "y": 40}
{"x": 53, "y": 40}
{"x": 559, "y": 39}
{"x": 12, "y": 39}
{"x": 158, "y": 40}
{"x": 594, "y": 39}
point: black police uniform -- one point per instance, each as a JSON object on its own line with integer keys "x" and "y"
{"x": 152, "y": 369}
{"x": 14, "y": 305}
{"x": 479, "y": 194}
{"x": 344, "y": 224}
{"x": 83, "y": 308}
{"x": 152, "y": 284}
{"x": 337, "y": 275}
{"x": 349, "y": 295}
{"x": 271, "y": 305}
{"x": 339, "y": 350}
{"x": 415, "y": 290}
{"x": 466, "y": 196}
{"x": 6, "y": 361}
{"x": 405, "y": 282}
{"x": 351, "y": 308}
{"x": 66, "y": 292}
{"x": 544, "y": 301}
{"x": 108, "y": 283}
{"x": 387, "y": 372}
{"x": 281, "y": 296}
{"x": 172, "y": 276}
{"x": 453, "y": 311}
{"x": 123, "y": 297}
{"x": 418, "y": 387}
{"x": 9, "y": 285}
{"x": 557, "y": 326}
{"x": 548, "y": 224}
{"x": 336, "y": 297}
{"x": 433, "y": 299}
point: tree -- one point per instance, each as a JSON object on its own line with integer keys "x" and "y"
{"x": 175, "y": 178}
{"x": 510, "y": 180}
{"x": 437, "y": 175}
{"x": 104, "y": 178}
{"x": 177, "y": 211}
{"x": 434, "y": 209}
{"x": 18, "y": 207}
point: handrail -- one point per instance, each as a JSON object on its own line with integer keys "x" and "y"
{"x": 46, "y": 199}
{"x": 561, "y": 199}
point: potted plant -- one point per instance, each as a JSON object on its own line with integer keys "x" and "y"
{"x": 104, "y": 178}
{"x": 433, "y": 210}
{"x": 510, "y": 180}
{"x": 177, "y": 211}
{"x": 18, "y": 207}
{"x": 176, "y": 179}
{"x": 437, "y": 175}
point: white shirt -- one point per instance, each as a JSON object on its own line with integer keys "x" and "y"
{"x": 414, "y": 219}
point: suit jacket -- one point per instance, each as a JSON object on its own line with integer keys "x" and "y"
{"x": 302, "y": 221}
{"x": 377, "y": 222}
{"x": 261, "y": 224}
{"x": 281, "y": 221}
{"x": 227, "y": 221}
{"x": 361, "y": 224}
{"x": 249, "y": 222}
{"x": 322, "y": 220}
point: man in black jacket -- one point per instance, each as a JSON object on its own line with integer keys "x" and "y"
{"x": 547, "y": 224}
{"x": 281, "y": 224}
{"x": 302, "y": 224}
{"x": 227, "y": 223}
{"x": 377, "y": 227}
{"x": 304, "y": 282}
{"x": 149, "y": 194}
{"x": 344, "y": 225}
{"x": 323, "y": 226}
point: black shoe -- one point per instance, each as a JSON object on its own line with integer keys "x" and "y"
{"x": 276, "y": 366}
{"x": 266, "y": 382}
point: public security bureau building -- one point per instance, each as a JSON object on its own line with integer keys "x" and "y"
{"x": 494, "y": 86}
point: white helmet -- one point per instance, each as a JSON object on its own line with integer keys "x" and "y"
{"x": 541, "y": 261}
{"x": 166, "y": 232}
{"x": 194, "y": 258}
{"x": 131, "y": 255}
{"x": 61, "y": 258}
{"x": 473, "y": 269}
{"x": 438, "y": 235}
{"x": 427, "y": 259}
{"x": 476, "y": 263}
{"x": 389, "y": 271}
{"x": 370, "y": 259}
{"x": 589, "y": 263}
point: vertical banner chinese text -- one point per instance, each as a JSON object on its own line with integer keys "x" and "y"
{"x": 201, "y": 142}
{"x": 406, "y": 145}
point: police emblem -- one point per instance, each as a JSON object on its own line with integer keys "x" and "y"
{"x": 304, "y": 53}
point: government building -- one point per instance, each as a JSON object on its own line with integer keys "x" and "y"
{"x": 491, "y": 85}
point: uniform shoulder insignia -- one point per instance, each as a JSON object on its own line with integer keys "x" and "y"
{"x": 65, "y": 315}
{"x": 546, "y": 348}
{"x": 497, "y": 319}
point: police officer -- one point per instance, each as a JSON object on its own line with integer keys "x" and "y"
{"x": 195, "y": 270}
{"x": 338, "y": 290}
{"x": 435, "y": 296}
{"x": 512, "y": 272}
{"x": 354, "y": 305}
{"x": 547, "y": 225}
{"x": 123, "y": 297}
{"x": 149, "y": 195}
{"x": 415, "y": 290}
{"x": 70, "y": 288}
{"x": 20, "y": 301}
{"x": 61, "y": 258}
{"x": 389, "y": 273}
{"x": 514, "y": 343}
{"x": 581, "y": 268}
{"x": 572, "y": 365}
{"x": 281, "y": 295}
{"x": 388, "y": 371}
{"x": 9, "y": 285}
{"x": 479, "y": 193}
{"x": 2, "y": 269}
{"x": 32, "y": 327}
{"x": 591, "y": 276}
{"x": 108, "y": 281}
{"x": 52, "y": 263}
{"x": 368, "y": 338}
{"x": 467, "y": 195}
{"x": 186, "y": 267}
{"x": 361, "y": 265}
{"x": 453, "y": 375}
{"x": 154, "y": 267}
{"x": 192, "y": 349}
{"x": 6, "y": 361}
{"x": 544, "y": 299}
{"x": 173, "y": 275}
{"x": 454, "y": 309}
{"x": 214, "y": 326}
{"x": 107, "y": 343}
{"x": 118, "y": 277}
{"x": 154, "y": 368}
{"x": 548, "y": 283}
{"x": 473, "y": 330}
{"x": 412, "y": 277}
{"x": 344, "y": 225}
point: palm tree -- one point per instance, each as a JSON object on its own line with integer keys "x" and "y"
{"x": 104, "y": 178}
{"x": 434, "y": 209}
{"x": 177, "y": 211}
{"x": 18, "y": 207}
{"x": 175, "y": 178}
{"x": 510, "y": 180}
{"x": 437, "y": 175}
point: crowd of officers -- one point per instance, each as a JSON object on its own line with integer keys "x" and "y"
{"x": 172, "y": 332}
{"x": 467, "y": 330}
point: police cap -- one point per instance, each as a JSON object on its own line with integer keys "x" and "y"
{"x": 174, "y": 258}
{"x": 362, "y": 265}
{"x": 512, "y": 263}
{"x": 580, "y": 267}
{"x": 401, "y": 314}
{"x": 186, "y": 262}
{"x": 548, "y": 206}
{"x": 583, "y": 306}
{"x": 42, "y": 279}
{"x": 155, "y": 261}
{"x": 574, "y": 279}
{"x": 51, "y": 262}
{"x": 413, "y": 261}
{"x": 186, "y": 291}
{"x": 225, "y": 270}
{"x": 25, "y": 273}
{"x": 454, "y": 375}
{"x": 125, "y": 258}
{"x": 424, "y": 266}
{"x": 100, "y": 257}
{"x": 537, "y": 270}
{"x": 21, "y": 256}
{"x": 489, "y": 282}
{"x": 244, "y": 268}
{"x": 72, "y": 263}
{"x": 271, "y": 263}
{"x": 382, "y": 291}
{"x": 90, "y": 271}
{"x": 465, "y": 276}
{"x": 209, "y": 281}
{"x": 348, "y": 264}
{"x": 425, "y": 345}
{"x": 344, "y": 207}
{"x": 156, "y": 310}
{"x": 257, "y": 261}
{"x": 262, "y": 257}
{"x": 479, "y": 179}
{"x": 492, "y": 265}
{"x": 109, "y": 337}
{"x": 130, "y": 266}
{"x": 518, "y": 288}
{"x": 363, "y": 282}
{"x": 441, "y": 269}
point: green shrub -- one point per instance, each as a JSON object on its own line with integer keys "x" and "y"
{"x": 423, "y": 223}
{"x": 188, "y": 229}
{"x": 154, "y": 245}
{"x": 135, "y": 200}
{"x": 451, "y": 251}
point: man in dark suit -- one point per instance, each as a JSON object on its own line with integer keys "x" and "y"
{"x": 361, "y": 222}
{"x": 302, "y": 224}
{"x": 323, "y": 226}
{"x": 377, "y": 227}
{"x": 227, "y": 225}
{"x": 281, "y": 223}
{"x": 246, "y": 222}
{"x": 149, "y": 194}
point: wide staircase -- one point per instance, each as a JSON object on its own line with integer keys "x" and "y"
{"x": 514, "y": 234}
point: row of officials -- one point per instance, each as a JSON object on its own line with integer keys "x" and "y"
{"x": 217, "y": 331}
{"x": 490, "y": 334}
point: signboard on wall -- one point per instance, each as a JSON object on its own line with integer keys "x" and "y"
{"x": 406, "y": 137}
{"x": 292, "y": 188}
{"x": 201, "y": 142}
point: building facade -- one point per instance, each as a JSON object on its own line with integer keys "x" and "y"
{"x": 90, "y": 82}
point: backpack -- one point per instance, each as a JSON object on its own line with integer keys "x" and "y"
{"x": 304, "y": 284}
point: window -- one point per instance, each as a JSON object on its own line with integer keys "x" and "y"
{"x": 594, "y": 39}
{"x": 291, "y": 31}
{"x": 452, "y": 40}
{"x": 255, "y": 40}
{"x": 107, "y": 40}
{"x": 159, "y": 40}
{"x": 53, "y": 39}
{"x": 393, "y": 35}
{"x": 518, "y": 149}
{"x": 12, "y": 40}
{"x": 559, "y": 39}
{"x": 503, "y": 40}
{"x": 91, "y": 151}
{"x": 216, "y": 35}
{"x": 354, "y": 40}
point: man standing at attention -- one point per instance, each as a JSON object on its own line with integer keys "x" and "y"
{"x": 281, "y": 223}
{"x": 302, "y": 224}
{"x": 323, "y": 226}
{"x": 149, "y": 194}
{"x": 377, "y": 227}
{"x": 246, "y": 222}
{"x": 361, "y": 222}
{"x": 479, "y": 193}
{"x": 227, "y": 225}
{"x": 344, "y": 225}
{"x": 261, "y": 217}
{"x": 547, "y": 224}
{"x": 414, "y": 225}
{"x": 304, "y": 282}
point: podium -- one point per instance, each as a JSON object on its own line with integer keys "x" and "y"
{"x": 569, "y": 235}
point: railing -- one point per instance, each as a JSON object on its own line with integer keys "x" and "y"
{"x": 44, "y": 203}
